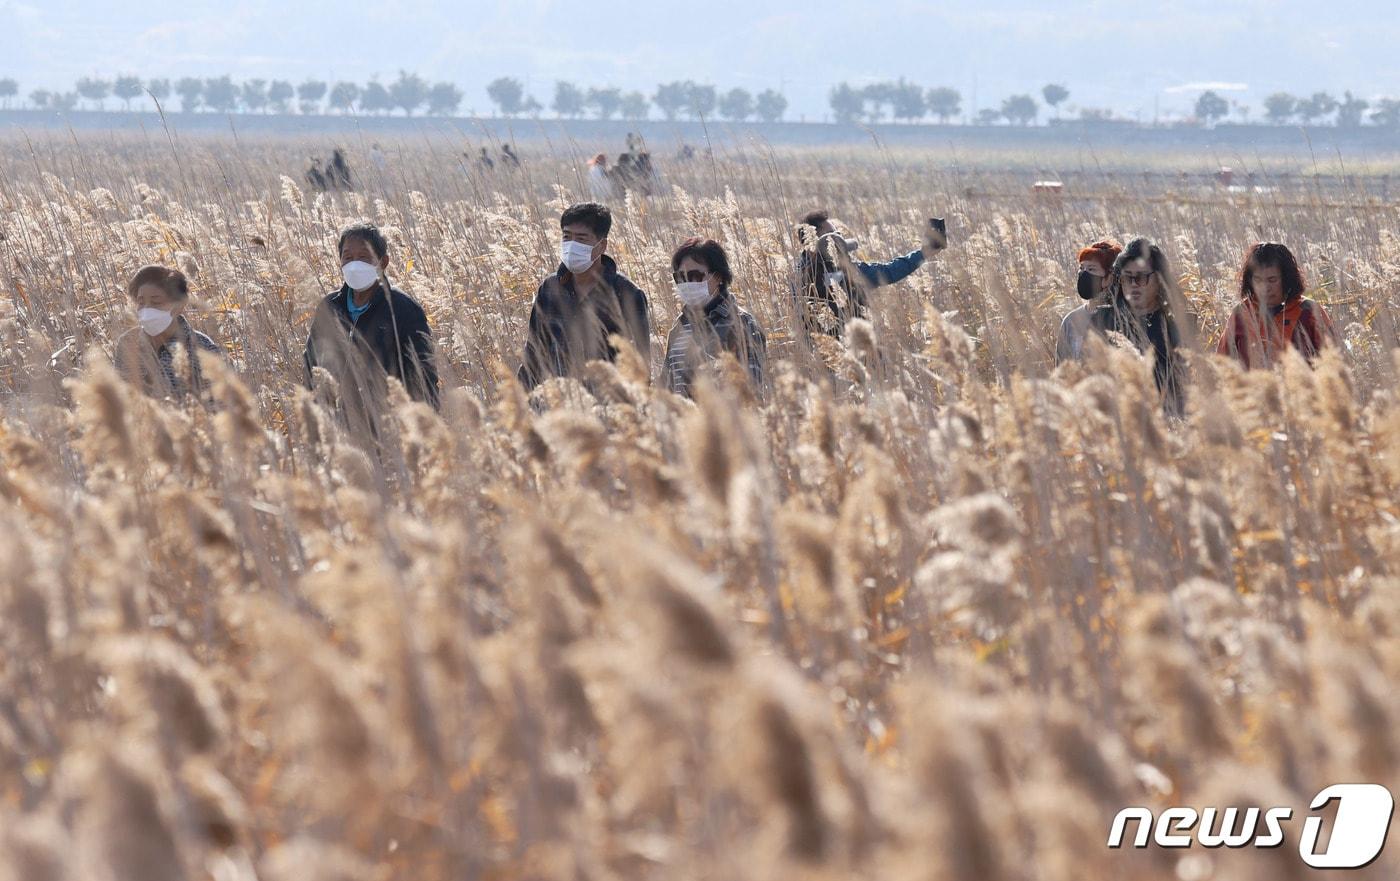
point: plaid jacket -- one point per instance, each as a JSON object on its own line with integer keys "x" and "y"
{"x": 699, "y": 336}
{"x": 154, "y": 368}
{"x": 567, "y": 331}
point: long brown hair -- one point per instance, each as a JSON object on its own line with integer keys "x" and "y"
{"x": 1274, "y": 255}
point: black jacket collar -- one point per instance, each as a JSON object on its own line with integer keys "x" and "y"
{"x": 342, "y": 298}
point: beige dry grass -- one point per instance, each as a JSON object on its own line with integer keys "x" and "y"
{"x": 941, "y": 622}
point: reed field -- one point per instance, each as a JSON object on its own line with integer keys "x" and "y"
{"x": 927, "y": 607}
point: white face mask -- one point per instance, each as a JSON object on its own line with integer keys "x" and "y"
{"x": 576, "y": 256}
{"x": 154, "y": 321}
{"x": 359, "y": 275}
{"x": 693, "y": 293}
{"x": 835, "y": 279}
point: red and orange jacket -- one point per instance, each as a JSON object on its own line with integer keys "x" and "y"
{"x": 1257, "y": 338}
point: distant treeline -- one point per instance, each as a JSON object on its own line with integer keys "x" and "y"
{"x": 899, "y": 101}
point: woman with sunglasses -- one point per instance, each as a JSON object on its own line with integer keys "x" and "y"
{"x": 1273, "y": 313}
{"x": 711, "y": 321}
{"x": 1141, "y": 310}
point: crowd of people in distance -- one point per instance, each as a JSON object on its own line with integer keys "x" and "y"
{"x": 368, "y": 330}
{"x": 334, "y": 175}
{"x": 484, "y": 162}
{"x": 633, "y": 172}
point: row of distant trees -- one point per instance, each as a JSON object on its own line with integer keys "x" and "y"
{"x": 682, "y": 98}
{"x": 1281, "y": 108}
{"x": 408, "y": 94}
{"x": 903, "y": 101}
{"x": 900, "y": 101}
{"x": 1348, "y": 111}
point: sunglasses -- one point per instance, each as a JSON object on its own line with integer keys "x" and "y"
{"x": 692, "y": 275}
{"x": 1138, "y": 278}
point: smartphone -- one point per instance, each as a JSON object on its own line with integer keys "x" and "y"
{"x": 938, "y": 233}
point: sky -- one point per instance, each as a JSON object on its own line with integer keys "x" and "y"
{"x": 1154, "y": 58}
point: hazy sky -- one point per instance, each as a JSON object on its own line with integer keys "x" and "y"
{"x": 1129, "y": 57}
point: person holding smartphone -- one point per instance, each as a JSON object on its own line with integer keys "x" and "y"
{"x": 832, "y": 286}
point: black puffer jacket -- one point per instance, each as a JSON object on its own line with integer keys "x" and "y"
{"x": 391, "y": 338}
{"x": 567, "y": 331}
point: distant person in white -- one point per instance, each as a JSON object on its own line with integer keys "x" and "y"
{"x": 600, "y": 183}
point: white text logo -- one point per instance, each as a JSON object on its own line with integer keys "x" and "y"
{"x": 1357, "y": 836}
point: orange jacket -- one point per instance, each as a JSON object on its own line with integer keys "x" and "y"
{"x": 1257, "y": 340}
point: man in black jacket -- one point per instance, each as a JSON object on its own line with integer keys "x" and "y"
{"x": 361, "y": 334}
{"x": 583, "y": 303}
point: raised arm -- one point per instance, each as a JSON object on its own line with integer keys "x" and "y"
{"x": 880, "y": 274}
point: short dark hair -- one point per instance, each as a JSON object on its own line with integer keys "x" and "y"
{"x": 172, "y": 281}
{"x": 592, "y": 215}
{"x": 1277, "y": 256}
{"x": 708, "y": 252}
{"x": 367, "y": 233}
{"x": 817, "y": 217}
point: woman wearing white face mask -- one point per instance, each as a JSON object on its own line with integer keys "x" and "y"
{"x": 711, "y": 321}
{"x": 159, "y": 355}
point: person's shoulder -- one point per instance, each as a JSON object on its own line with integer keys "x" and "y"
{"x": 679, "y": 327}
{"x": 126, "y": 346}
{"x": 204, "y": 341}
{"x": 405, "y": 302}
{"x": 679, "y": 338}
{"x": 328, "y": 304}
{"x": 746, "y": 317}
{"x": 627, "y": 286}
{"x": 549, "y": 288}
{"x": 128, "y": 337}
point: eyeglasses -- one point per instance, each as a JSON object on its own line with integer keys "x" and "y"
{"x": 692, "y": 275}
{"x": 1138, "y": 278}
